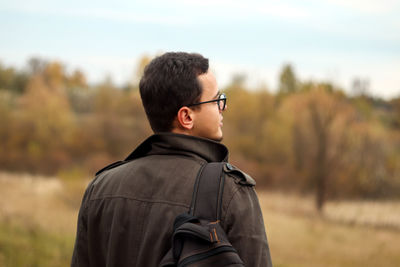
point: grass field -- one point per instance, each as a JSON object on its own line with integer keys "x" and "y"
{"x": 298, "y": 236}
{"x": 38, "y": 220}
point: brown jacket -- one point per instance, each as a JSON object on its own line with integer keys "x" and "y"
{"x": 128, "y": 210}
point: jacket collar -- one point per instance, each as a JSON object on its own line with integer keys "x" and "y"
{"x": 180, "y": 144}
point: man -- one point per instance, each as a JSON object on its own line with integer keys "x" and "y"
{"x": 128, "y": 210}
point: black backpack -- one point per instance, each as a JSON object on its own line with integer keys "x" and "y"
{"x": 198, "y": 238}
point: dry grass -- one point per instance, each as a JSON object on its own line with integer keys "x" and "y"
{"x": 42, "y": 212}
{"x": 37, "y": 200}
{"x": 381, "y": 214}
{"x": 385, "y": 214}
{"x": 37, "y": 222}
{"x": 298, "y": 236}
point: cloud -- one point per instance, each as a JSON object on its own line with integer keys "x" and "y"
{"x": 249, "y": 9}
{"x": 370, "y": 6}
{"x": 317, "y": 35}
{"x": 116, "y": 15}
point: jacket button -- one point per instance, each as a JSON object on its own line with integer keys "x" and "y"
{"x": 229, "y": 166}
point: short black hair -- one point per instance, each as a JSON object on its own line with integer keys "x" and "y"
{"x": 170, "y": 82}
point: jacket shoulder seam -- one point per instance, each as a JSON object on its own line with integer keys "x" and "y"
{"x": 237, "y": 189}
{"x": 141, "y": 200}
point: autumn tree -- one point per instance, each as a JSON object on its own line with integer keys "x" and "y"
{"x": 43, "y": 124}
{"x": 12, "y": 79}
{"x": 319, "y": 121}
{"x": 287, "y": 80}
{"x": 245, "y": 126}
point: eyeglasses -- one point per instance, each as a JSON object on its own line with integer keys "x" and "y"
{"x": 221, "y": 102}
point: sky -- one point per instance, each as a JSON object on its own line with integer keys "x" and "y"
{"x": 324, "y": 40}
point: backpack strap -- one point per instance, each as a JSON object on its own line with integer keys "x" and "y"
{"x": 207, "y": 192}
{"x": 198, "y": 238}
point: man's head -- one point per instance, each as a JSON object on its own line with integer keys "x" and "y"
{"x": 171, "y": 84}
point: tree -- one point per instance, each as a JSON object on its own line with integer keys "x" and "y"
{"x": 360, "y": 87}
{"x": 55, "y": 77}
{"x": 245, "y": 126}
{"x": 320, "y": 121}
{"x": 12, "y": 79}
{"x": 6, "y": 77}
{"x": 140, "y": 66}
{"x": 36, "y": 65}
{"x": 287, "y": 80}
{"x": 395, "y": 104}
{"x": 41, "y": 129}
{"x": 77, "y": 81}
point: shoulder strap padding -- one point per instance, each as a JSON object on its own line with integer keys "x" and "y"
{"x": 207, "y": 194}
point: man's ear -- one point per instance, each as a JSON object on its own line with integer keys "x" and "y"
{"x": 185, "y": 118}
